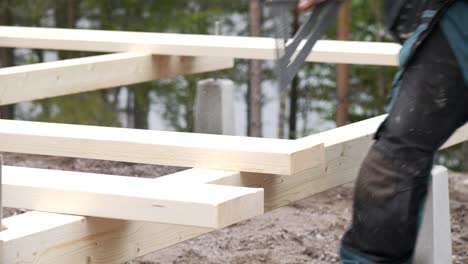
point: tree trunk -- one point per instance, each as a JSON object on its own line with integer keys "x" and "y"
{"x": 342, "y": 70}
{"x": 282, "y": 113}
{"x": 255, "y": 74}
{"x": 130, "y": 108}
{"x": 6, "y": 60}
{"x": 294, "y": 92}
{"x": 66, "y": 16}
{"x": 381, "y": 93}
{"x": 72, "y": 17}
{"x": 141, "y": 109}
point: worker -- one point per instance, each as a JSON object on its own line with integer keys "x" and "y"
{"x": 430, "y": 101}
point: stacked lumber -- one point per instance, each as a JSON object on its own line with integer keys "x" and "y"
{"x": 77, "y": 239}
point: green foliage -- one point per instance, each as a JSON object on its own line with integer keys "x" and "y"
{"x": 77, "y": 109}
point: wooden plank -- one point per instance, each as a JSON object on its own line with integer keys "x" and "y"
{"x": 347, "y": 146}
{"x": 192, "y": 45}
{"x": 129, "y": 198}
{"x": 158, "y": 147}
{"x": 47, "y": 238}
{"x": 461, "y": 135}
{"x": 345, "y": 149}
{"x": 90, "y": 239}
{"x": 112, "y": 241}
{"x": 367, "y": 129}
{"x": 44, "y": 80}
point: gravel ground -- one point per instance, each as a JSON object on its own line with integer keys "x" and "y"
{"x": 304, "y": 232}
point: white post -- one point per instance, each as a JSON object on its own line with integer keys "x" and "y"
{"x": 214, "y": 107}
{"x": 434, "y": 244}
{"x": 1, "y": 188}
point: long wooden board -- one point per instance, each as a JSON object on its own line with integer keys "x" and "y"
{"x": 192, "y": 45}
{"x": 45, "y": 80}
{"x": 129, "y": 198}
{"x": 48, "y": 238}
{"x": 75, "y": 239}
{"x": 158, "y": 147}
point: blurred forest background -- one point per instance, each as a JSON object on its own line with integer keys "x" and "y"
{"x": 321, "y": 97}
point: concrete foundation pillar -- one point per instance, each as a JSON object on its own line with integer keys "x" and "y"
{"x": 214, "y": 107}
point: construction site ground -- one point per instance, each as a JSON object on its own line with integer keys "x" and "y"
{"x": 307, "y": 231}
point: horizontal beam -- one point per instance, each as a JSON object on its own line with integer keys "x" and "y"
{"x": 50, "y": 79}
{"x": 367, "y": 128}
{"x": 38, "y": 237}
{"x": 192, "y": 45}
{"x": 129, "y": 198}
{"x": 114, "y": 241}
{"x": 157, "y": 147}
{"x": 80, "y": 239}
{"x": 461, "y": 135}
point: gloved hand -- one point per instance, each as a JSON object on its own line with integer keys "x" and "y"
{"x": 306, "y": 5}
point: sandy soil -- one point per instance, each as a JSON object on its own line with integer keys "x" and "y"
{"x": 304, "y": 232}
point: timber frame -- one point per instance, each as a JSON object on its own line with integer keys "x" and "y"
{"x": 232, "y": 179}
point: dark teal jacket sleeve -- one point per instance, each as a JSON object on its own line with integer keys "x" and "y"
{"x": 455, "y": 27}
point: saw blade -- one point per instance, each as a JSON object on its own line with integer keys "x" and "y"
{"x": 292, "y": 53}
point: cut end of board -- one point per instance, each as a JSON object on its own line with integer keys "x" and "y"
{"x": 251, "y": 206}
{"x": 307, "y": 156}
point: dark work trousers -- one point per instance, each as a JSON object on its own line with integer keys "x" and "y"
{"x": 393, "y": 181}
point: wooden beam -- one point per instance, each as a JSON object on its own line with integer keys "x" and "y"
{"x": 129, "y": 198}
{"x": 347, "y": 146}
{"x": 461, "y": 135}
{"x": 157, "y": 147}
{"x": 37, "y": 237}
{"x": 367, "y": 128}
{"x": 111, "y": 241}
{"x": 345, "y": 149}
{"x": 192, "y": 45}
{"x": 80, "y": 239}
{"x": 44, "y": 80}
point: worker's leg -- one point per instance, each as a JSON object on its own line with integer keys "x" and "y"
{"x": 392, "y": 183}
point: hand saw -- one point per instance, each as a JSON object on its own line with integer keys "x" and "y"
{"x": 291, "y": 54}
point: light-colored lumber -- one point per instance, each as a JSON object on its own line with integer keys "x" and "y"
{"x": 112, "y": 241}
{"x": 459, "y": 136}
{"x": 434, "y": 244}
{"x": 118, "y": 241}
{"x": 345, "y": 149}
{"x": 47, "y": 238}
{"x": 347, "y": 146}
{"x": 367, "y": 128}
{"x": 129, "y": 198}
{"x": 192, "y": 45}
{"x": 158, "y": 147}
{"x": 44, "y": 80}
